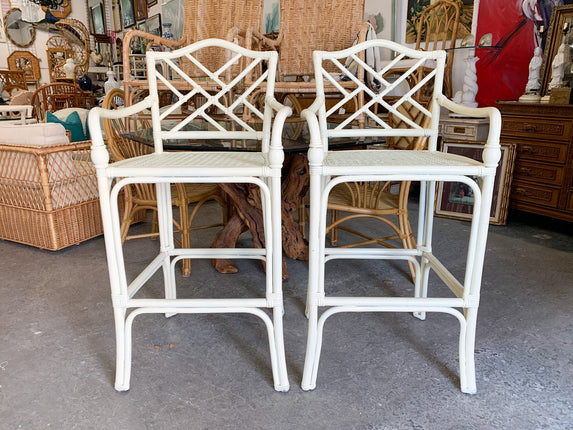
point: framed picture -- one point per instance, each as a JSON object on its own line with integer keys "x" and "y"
{"x": 154, "y": 24}
{"x": 97, "y": 19}
{"x": 151, "y": 3}
{"x": 140, "y": 8}
{"x": 455, "y": 200}
{"x": 127, "y": 14}
{"x": 172, "y": 12}
{"x": 116, "y": 13}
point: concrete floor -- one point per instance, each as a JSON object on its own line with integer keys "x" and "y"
{"x": 378, "y": 371}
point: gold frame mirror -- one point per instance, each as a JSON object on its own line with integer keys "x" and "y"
{"x": 19, "y": 32}
{"x": 559, "y": 17}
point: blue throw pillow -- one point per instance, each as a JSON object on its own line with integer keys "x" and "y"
{"x": 73, "y": 123}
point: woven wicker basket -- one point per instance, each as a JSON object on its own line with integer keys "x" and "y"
{"x": 48, "y": 195}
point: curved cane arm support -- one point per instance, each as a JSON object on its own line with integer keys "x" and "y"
{"x": 492, "y": 151}
{"x": 100, "y": 154}
{"x": 276, "y": 154}
{"x": 316, "y": 149}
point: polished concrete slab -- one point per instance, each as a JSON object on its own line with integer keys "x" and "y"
{"x": 378, "y": 371}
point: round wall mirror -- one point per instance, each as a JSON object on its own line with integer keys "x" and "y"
{"x": 19, "y": 32}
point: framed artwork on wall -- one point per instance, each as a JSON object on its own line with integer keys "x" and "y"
{"x": 97, "y": 20}
{"x": 173, "y": 12}
{"x": 116, "y": 15}
{"x": 382, "y": 15}
{"x": 127, "y": 14}
{"x": 455, "y": 200}
{"x": 154, "y": 24}
{"x": 140, "y": 9}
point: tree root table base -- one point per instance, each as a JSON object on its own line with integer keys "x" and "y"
{"x": 247, "y": 214}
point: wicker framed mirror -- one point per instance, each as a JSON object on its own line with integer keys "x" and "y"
{"x": 26, "y": 62}
{"x": 18, "y": 31}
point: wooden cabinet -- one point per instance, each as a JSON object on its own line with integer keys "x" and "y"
{"x": 543, "y": 174}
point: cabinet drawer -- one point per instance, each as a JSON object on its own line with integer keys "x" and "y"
{"x": 539, "y": 195}
{"x": 570, "y": 201}
{"x": 544, "y": 151}
{"x": 538, "y": 128}
{"x": 537, "y": 172}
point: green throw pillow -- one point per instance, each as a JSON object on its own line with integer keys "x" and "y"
{"x": 73, "y": 123}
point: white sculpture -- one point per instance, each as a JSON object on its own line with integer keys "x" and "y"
{"x": 69, "y": 68}
{"x": 467, "y": 96}
{"x": 532, "y": 86}
{"x": 557, "y": 68}
{"x": 534, "y": 68}
{"x": 110, "y": 83}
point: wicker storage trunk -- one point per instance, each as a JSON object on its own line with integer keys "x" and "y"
{"x": 48, "y": 195}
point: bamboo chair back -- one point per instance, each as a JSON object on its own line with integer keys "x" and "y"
{"x": 438, "y": 29}
{"x": 438, "y": 26}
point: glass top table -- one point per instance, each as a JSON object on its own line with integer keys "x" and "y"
{"x": 290, "y": 145}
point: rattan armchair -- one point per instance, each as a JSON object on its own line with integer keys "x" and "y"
{"x": 59, "y": 95}
{"x": 13, "y": 80}
{"x": 386, "y": 202}
{"x": 142, "y": 197}
{"x": 437, "y": 28}
{"x": 48, "y": 188}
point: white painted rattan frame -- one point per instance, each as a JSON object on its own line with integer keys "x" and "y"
{"x": 328, "y": 169}
{"x": 163, "y": 168}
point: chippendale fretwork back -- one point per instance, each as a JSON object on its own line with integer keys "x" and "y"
{"x": 382, "y": 94}
{"x": 220, "y": 98}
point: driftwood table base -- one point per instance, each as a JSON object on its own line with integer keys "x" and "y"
{"x": 248, "y": 215}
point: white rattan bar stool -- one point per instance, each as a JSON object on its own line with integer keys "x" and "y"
{"x": 329, "y": 168}
{"x": 220, "y": 114}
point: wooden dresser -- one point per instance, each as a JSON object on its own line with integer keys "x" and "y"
{"x": 543, "y": 174}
